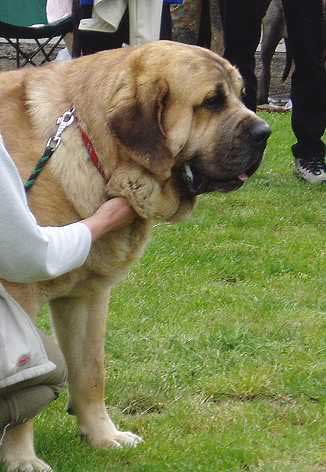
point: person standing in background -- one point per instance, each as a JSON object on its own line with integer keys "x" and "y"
{"x": 306, "y": 35}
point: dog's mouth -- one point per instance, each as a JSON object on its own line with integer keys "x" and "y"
{"x": 195, "y": 182}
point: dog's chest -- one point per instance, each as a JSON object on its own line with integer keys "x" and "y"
{"x": 111, "y": 256}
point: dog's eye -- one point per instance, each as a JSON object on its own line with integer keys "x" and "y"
{"x": 243, "y": 92}
{"x": 217, "y": 101}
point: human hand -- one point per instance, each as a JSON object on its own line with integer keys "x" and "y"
{"x": 112, "y": 215}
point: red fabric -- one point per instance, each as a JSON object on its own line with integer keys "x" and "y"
{"x": 91, "y": 152}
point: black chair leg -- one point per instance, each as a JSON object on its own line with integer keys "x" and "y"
{"x": 17, "y": 53}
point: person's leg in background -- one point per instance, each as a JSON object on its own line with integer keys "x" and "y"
{"x": 89, "y": 42}
{"x": 95, "y": 41}
{"x": 204, "y": 34}
{"x": 242, "y": 28}
{"x": 145, "y": 19}
{"x": 306, "y": 31}
{"x": 24, "y": 400}
{"x": 166, "y": 23}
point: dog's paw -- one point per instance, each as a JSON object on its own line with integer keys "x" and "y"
{"x": 97, "y": 428}
{"x": 31, "y": 465}
{"x": 127, "y": 439}
{"x": 148, "y": 197}
{"x": 116, "y": 440}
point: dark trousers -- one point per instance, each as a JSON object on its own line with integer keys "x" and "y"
{"x": 308, "y": 92}
{"x": 242, "y": 28}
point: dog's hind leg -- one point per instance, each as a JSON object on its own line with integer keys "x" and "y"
{"x": 80, "y": 326}
{"x": 17, "y": 450}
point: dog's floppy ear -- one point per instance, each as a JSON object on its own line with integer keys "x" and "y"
{"x": 136, "y": 121}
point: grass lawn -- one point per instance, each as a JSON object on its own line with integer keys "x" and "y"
{"x": 216, "y": 341}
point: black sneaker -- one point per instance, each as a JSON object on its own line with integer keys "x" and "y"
{"x": 313, "y": 171}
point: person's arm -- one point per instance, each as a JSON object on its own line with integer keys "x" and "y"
{"x": 29, "y": 252}
{"x": 112, "y": 215}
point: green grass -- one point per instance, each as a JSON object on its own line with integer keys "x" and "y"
{"x": 216, "y": 342}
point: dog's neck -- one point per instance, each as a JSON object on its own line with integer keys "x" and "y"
{"x": 71, "y": 158}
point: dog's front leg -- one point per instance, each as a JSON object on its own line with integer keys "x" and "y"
{"x": 17, "y": 450}
{"x": 80, "y": 326}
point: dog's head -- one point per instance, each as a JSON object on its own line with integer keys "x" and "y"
{"x": 181, "y": 129}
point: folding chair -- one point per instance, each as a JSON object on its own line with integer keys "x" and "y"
{"x": 26, "y": 19}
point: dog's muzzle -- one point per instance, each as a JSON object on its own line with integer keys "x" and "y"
{"x": 196, "y": 180}
{"x": 196, "y": 183}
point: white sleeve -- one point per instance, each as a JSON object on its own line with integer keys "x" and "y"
{"x": 29, "y": 252}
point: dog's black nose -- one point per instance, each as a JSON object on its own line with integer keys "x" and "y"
{"x": 260, "y": 132}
